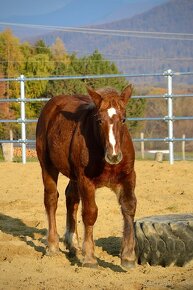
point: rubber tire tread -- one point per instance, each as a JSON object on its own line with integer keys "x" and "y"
{"x": 164, "y": 240}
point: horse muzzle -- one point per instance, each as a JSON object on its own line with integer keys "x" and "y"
{"x": 113, "y": 159}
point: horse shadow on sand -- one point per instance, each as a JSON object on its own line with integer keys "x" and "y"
{"x": 111, "y": 245}
{"x": 36, "y": 238}
{"x": 17, "y": 228}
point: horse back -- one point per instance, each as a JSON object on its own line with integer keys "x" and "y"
{"x": 58, "y": 123}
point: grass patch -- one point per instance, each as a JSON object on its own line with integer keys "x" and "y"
{"x": 1, "y": 154}
{"x": 28, "y": 159}
{"x": 177, "y": 156}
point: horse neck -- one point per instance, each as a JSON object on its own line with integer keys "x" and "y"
{"x": 93, "y": 132}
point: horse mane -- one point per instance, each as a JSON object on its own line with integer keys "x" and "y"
{"x": 86, "y": 103}
{"x": 108, "y": 93}
{"x": 110, "y": 96}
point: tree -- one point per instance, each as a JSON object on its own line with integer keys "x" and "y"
{"x": 37, "y": 65}
{"x": 68, "y": 86}
{"x": 27, "y": 50}
{"x": 11, "y": 57}
{"x": 11, "y": 60}
{"x": 59, "y": 53}
{"x": 41, "y": 48}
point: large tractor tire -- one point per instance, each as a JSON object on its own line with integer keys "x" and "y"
{"x": 165, "y": 240}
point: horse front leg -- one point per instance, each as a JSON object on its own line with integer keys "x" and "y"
{"x": 89, "y": 216}
{"x": 128, "y": 203}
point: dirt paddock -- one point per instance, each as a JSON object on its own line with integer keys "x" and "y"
{"x": 161, "y": 189}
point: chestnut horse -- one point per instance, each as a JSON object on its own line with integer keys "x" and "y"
{"x": 86, "y": 139}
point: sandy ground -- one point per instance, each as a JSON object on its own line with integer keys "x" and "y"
{"x": 161, "y": 189}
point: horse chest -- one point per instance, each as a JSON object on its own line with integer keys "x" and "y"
{"x": 109, "y": 176}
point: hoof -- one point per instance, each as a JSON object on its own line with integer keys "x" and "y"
{"x": 90, "y": 262}
{"x": 52, "y": 251}
{"x": 72, "y": 244}
{"x": 73, "y": 252}
{"x": 128, "y": 265}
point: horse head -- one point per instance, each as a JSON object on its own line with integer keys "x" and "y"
{"x": 110, "y": 118}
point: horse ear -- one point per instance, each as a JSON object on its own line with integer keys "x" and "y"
{"x": 95, "y": 96}
{"x": 126, "y": 94}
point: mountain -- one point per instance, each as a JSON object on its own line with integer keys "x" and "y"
{"x": 173, "y": 16}
{"x": 147, "y": 52}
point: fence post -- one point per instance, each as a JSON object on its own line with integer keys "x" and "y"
{"x": 23, "y": 125}
{"x": 183, "y": 147}
{"x": 170, "y": 116}
{"x": 11, "y": 144}
{"x": 142, "y": 145}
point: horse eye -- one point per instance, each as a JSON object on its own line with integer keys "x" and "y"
{"x": 123, "y": 120}
{"x": 99, "y": 121}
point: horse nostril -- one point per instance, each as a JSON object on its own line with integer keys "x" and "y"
{"x": 120, "y": 156}
{"x": 113, "y": 159}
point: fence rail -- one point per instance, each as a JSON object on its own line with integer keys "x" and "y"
{"x": 169, "y": 96}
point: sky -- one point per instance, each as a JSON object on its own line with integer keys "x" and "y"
{"x": 29, "y": 7}
{"x": 72, "y": 12}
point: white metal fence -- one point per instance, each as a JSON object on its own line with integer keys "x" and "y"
{"x": 169, "y": 96}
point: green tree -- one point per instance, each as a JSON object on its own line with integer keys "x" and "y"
{"x": 27, "y": 51}
{"x": 41, "y": 48}
{"x": 62, "y": 67}
{"x": 96, "y": 64}
{"x": 38, "y": 65}
{"x": 68, "y": 86}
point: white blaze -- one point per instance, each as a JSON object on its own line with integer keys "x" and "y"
{"x": 111, "y": 112}
{"x": 112, "y": 140}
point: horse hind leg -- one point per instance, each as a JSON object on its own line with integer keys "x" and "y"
{"x": 51, "y": 195}
{"x": 72, "y": 203}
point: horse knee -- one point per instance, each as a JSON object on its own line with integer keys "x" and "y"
{"x": 89, "y": 215}
{"x": 71, "y": 193}
{"x": 128, "y": 203}
{"x": 50, "y": 198}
